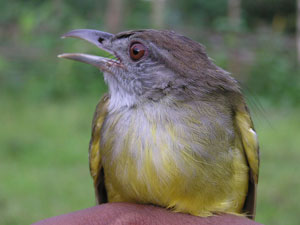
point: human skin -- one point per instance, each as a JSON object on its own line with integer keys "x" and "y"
{"x": 134, "y": 214}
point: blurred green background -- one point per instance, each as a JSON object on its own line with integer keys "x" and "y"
{"x": 46, "y": 103}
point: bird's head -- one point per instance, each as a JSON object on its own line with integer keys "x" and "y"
{"x": 150, "y": 65}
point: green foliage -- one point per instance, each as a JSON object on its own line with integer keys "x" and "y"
{"x": 138, "y": 14}
{"x": 259, "y": 12}
{"x": 44, "y": 164}
{"x": 275, "y": 76}
{"x": 278, "y": 196}
{"x": 200, "y": 12}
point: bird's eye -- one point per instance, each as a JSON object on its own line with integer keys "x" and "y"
{"x": 137, "y": 51}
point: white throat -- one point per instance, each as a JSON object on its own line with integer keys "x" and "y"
{"x": 119, "y": 97}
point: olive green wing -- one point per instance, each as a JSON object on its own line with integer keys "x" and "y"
{"x": 96, "y": 168}
{"x": 249, "y": 140}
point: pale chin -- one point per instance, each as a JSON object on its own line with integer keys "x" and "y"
{"x": 119, "y": 98}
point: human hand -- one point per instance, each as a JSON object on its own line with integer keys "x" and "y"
{"x": 134, "y": 214}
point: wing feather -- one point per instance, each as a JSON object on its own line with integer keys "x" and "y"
{"x": 96, "y": 169}
{"x": 249, "y": 140}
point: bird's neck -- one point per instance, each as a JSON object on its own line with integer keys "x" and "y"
{"x": 119, "y": 97}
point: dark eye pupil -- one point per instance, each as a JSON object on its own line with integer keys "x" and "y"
{"x": 135, "y": 51}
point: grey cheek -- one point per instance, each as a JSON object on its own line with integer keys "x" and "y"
{"x": 137, "y": 86}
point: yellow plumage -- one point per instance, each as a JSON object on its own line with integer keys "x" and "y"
{"x": 140, "y": 181}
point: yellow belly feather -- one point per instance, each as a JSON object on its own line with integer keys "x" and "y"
{"x": 137, "y": 178}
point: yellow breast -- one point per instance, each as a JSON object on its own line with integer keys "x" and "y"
{"x": 167, "y": 166}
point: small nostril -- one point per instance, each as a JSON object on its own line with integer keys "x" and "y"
{"x": 100, "y": 40}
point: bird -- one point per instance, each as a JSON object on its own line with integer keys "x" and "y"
{"x": 174, "y": 129}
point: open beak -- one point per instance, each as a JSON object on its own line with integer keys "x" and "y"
{"x": 97, "y": 38}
